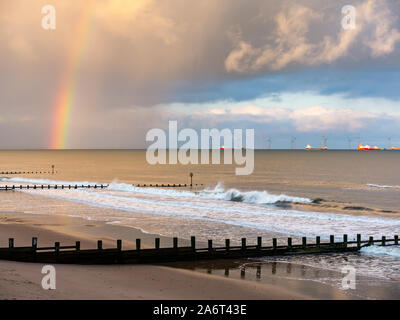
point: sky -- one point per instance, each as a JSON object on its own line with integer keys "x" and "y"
{"x": 111, "y": 70}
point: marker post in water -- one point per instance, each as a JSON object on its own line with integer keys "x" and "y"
{"x": 191, "y": 179}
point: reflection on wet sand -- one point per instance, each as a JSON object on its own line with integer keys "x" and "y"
{"x": 288, "y": 273}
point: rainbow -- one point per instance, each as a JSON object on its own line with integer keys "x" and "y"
{"x": 65, "y": 96}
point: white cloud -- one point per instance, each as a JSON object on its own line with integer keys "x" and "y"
{"x": 290, "y": 43}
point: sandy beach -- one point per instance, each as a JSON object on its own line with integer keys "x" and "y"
{"x": 23, "y": 280}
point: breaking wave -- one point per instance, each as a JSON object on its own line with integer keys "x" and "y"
{"x": 382, "y": 186}
{"x": 216, "y": 193}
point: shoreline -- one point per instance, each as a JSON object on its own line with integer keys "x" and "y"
{"x": 22, "y": 280}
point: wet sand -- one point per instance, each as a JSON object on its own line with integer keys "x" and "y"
{"x": 23, "y": 280}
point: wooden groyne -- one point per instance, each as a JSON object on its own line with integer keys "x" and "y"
{"x": 24, "y": 172}
{"x": 87, "y": 186}
{"x": 13, "y": 172}
{"x": 73, "y": 254}
{"x": 167, "y": 185}
{"x": 53, "y": 186}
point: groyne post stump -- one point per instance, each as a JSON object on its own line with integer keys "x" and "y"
{"x": 99, "y": 245}
{"x": 332, "y": 239}
{"x": 11, "y": 243}
{"x": 274, "y": 243}
{"x": 193, "y": 242}
{"x": 210, "y": 245}
{"x": 157, "y": 243}
{"x": 358, "y": 241}
{"x": 227, "y": 244}
{"x": 34, "y": 243}
{"x": 175, "y": 243}
{"x": 137, "y": 244}
{"x": 383, "y": 241}
{"x": 345, "y": 240}
{"x": 371, "y": 241}
{"x": 318, "y": 241}
{"x": 259, "y": 243}
{"x": 243, "y": 244}
{"x": 77, "y": 245}
{"x": 304, "y": 242}
{"x": 396, "y": 239}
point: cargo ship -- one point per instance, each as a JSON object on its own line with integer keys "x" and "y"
{"x": 309, "y": 148}
{"x": 368, "y": 148}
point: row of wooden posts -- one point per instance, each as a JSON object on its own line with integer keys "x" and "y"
{"x": 100, "y": 255}
{"x": 31, "y": 172}
{"x": 384, "y": 241}
{"x": 88, "y": 186}
{"x": 25, "y": 172}
{"x": 175, "y": 185}
{"x": 53, "y": 186}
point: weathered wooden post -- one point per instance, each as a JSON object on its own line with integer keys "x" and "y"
{"x": 345, "y": 240}
{"x": 34, "y": 243}
{"x": 243, "y": 244}
{"x": 119, "y": 244}
{"x": 289, "y": 243}
{"x": 157, "y": 243}
{"x": 227, "y": 244}
{"x": 11, "y": 243}
{"x": 57, "y": 247}
{"x": 259, "y": 243}
{"x": 318, "y": 241}
{"x": 358, "y": 241}
{"x": 396, "y": 239}
{"x": 304, "y": 242}
{"x": 274, "y": 243}
{"x": 332, "y": 239}
{"x": 209, "y": 245}
{"x": 258, "y": 272}
{"x": 52, "y": 169}
{"x": 175, "y": 243}
{"x": 371, "y": 241}
{"x": 137, "y": 244}
{"x": 383, "y": 241}
{"x": 191, "y": 180}
{"x": 77, "y": 245}
{"x": 193, "y": 242}
{"x": 99, "y": 245}
{"x": 226, "y": 272}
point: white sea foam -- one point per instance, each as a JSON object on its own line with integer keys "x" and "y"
{"x": 393, "y": 251}
{"x": 382, "y": 186}
{"x": 46, "y": 181}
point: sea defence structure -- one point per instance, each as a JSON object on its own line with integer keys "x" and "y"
{"x": 89, "y": 186}
{"x": 72, "y": 254}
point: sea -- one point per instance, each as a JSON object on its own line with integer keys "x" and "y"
{"x": 291, "y": 193}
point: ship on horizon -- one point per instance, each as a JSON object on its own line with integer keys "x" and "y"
{"x": 369, "y": 148}
{"x": 309, "y": 148}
